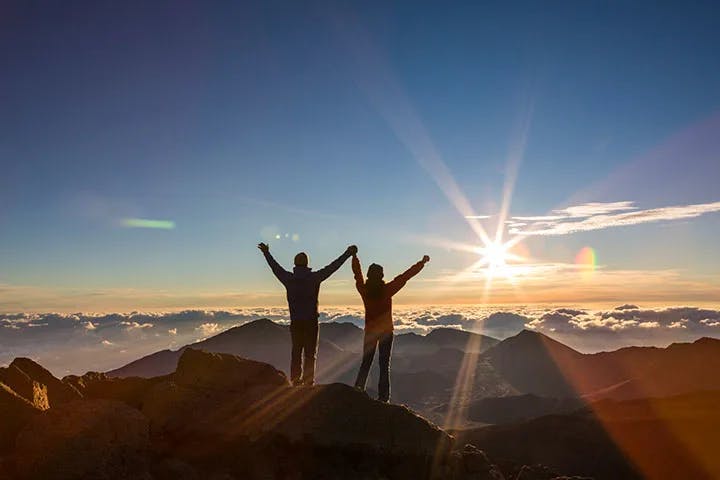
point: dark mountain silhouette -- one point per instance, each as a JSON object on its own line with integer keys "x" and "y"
{"x": 153, "y": 365}
{"x": 461, "y": 340}
{"x": 653, "y": 438}
{"x": 262, "y": 340}
{"x": 515, "y": 408}
{"x": 414, "y": 344}
{"x": 535, "y": 363}
{"x": 345, "y": 335}
{"x": 637, "y": 372}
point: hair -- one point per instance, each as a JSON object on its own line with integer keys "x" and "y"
{"x": 301, "y": 260}
{"x": 375, "y": 282}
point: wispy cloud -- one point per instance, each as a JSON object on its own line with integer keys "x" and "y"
{"x": 597, "y": 216}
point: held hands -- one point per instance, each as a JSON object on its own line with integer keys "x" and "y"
{"x": 264, "y": 247}
{"x": 352, "y": 250}
{"x": 425, "y": 259}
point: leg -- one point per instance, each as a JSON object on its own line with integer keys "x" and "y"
{"x": 296, "y": 352}
{"x": 385, "y": 347}
{"x": 310, "y": 342}
{"x": 369, "y": 345}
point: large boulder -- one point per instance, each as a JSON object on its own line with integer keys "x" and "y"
{"x": 99, "y": 439}
{"x": 241, "y": 418}
{"x": 131, "y": 390}
{"x": 15, "y": 412}
{"x": 20, "y": 382}
{"x": 23, "y": 374}
{"x": 470, "y": 463}
{"x": 224, "y": 372}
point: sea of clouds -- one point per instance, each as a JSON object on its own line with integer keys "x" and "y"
{"x": 75, "y": 343}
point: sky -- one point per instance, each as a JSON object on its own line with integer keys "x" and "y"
{"x": 145, "y": 149}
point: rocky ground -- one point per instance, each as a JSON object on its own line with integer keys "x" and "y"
{"x": 220, "y": 416}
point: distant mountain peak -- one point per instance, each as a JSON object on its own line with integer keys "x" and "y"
{"x": 533, "y": 339}
{"x": 259, "y": 323}
{"x": 258, "y": 326}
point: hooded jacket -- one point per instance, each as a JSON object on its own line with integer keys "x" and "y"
{"x": 378, "y": 309}
{"x": 303, "y": 286}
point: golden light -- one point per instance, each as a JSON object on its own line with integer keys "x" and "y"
{"x": 495, "y": 257}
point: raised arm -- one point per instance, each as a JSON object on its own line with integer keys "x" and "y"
{"x": 357, "y": 272}
{"x": 399, "y": 282}
{"x": 328, "y": 270}
{"x": 281, "y": 274}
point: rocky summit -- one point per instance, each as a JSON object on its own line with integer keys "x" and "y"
{"x": 218, "y": 416}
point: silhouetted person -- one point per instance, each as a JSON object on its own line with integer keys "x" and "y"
{"x": 377, "y": 298}
{"x": 303, "y": 286}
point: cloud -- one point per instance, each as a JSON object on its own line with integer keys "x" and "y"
{"x": 503, "y": 324}
{"x": 627, "y": 306}
{"x": 64, "y": 343}
{"x": 594, "y": 208}
{"x": 597, "y": 216}
{"x": 602, "y": 330}
{"x": 208, "y": 329}
{"x": 136, "y": 325}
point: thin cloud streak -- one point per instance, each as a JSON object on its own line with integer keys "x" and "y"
{"x": 598, "y": 216}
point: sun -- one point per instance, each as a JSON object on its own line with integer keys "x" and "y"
{"x": 494, "y": 254}
{"x": 496, "y": 258}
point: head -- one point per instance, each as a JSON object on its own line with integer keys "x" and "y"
{"x": 375, "y": 272}
{"x": 301, "y": 260}
{"x": 375, "y": 281}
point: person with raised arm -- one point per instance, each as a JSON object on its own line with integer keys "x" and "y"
{"x": 303, "y": 286}
{"x": 377, "y": 299}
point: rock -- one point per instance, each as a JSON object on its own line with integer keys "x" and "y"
{"x": 475, "y": 460}
{"x": 241, "y": 418}
{"x": 99, "y": 439}
{"x": 221, "y": 371}
{"x": 536, "y": 472}
{"x": 470, "y": 463}
{"x": 24, "y": 386}
{"x": 20, "y": 376}
{"x": 131, "y": 390}
{"x": 15, "y": 412}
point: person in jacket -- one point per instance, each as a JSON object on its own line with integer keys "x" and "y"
{"x": 377, "y": 299}
{"x": 302, "y": 287}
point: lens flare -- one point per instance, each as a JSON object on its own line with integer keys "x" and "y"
{"x": 586, "y": 259}
{"x": 147, "y": 223}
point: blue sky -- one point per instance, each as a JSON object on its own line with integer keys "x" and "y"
{"x": 241, "y": 121}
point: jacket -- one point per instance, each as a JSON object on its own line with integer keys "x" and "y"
{"x": 378, "y": 310}
{"x": 303, "y": 286}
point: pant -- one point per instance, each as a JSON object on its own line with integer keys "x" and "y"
{"x": 304, "y": 335}
{"x": 373, "y": 340}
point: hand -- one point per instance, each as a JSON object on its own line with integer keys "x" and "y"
{"x": 352, "y": 250}
{"x": 264, "y": 247}
{"x": 425, "y": 259}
